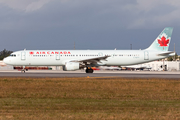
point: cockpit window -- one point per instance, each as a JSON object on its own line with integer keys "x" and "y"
{"x": 12, "y": 55}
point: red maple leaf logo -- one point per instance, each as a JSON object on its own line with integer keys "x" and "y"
{"x": 163, "y": 41}
{"x": 31, "y": 53}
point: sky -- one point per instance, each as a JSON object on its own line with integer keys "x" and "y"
{"x": 89, "y": 24}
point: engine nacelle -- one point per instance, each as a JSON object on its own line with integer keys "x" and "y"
{"x": 71, "y": 66}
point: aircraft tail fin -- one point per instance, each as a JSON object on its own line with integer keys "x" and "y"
{"x": 161, "y": 43}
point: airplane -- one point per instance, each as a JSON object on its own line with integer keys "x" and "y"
{"x": 72, "y": 60}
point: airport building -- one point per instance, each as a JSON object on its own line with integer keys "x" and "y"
{"x": 162, "y": 65}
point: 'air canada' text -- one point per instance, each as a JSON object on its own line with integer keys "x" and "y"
{"x": 49, "y": 52}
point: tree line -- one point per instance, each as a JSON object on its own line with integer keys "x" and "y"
{"x": 173, "y": 58}
{"x": 5, "y": 53}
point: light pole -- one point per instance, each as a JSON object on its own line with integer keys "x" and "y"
{"x": 175, "y": 53}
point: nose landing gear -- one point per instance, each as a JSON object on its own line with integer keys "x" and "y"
{"x": 24, "y": 70}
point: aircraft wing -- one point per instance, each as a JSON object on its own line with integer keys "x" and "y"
{"x": 92, "y": 60}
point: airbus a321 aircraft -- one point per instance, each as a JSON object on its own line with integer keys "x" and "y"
{"x": 77, "y": 59}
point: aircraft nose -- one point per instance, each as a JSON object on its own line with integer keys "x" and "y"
{"x": 6, "y": 60}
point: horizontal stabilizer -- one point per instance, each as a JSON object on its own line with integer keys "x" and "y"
{"x": 165, "y": 54}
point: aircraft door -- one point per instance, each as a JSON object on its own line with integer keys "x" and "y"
{"x": 23, "y": 55}
{"x": 146, "y": 55}
{"x": 100, "y": 54}
{"x": 58, "y": 56}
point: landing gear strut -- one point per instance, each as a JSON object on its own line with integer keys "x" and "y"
{"x": 23, "y": 70}
{"x": 89, "y": 70}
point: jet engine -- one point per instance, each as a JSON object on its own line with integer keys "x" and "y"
{"x": 71, "y": 66}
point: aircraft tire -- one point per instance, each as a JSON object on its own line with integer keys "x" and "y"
{"x": 89, "y": 70}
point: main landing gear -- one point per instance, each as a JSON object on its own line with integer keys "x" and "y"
{"x": 89, "y": 70}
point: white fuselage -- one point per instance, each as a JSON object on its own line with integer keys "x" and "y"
{"x": 60, "y": 57}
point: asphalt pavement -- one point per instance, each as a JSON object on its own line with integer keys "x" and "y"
{"x": 57, "y": 74}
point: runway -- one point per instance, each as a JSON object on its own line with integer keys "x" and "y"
{"x": 57, "y": 74}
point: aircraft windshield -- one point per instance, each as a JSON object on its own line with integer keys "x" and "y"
{"x": 12, "y": 55}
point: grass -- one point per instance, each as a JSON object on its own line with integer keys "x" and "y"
{"x": 89, "y": 98}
